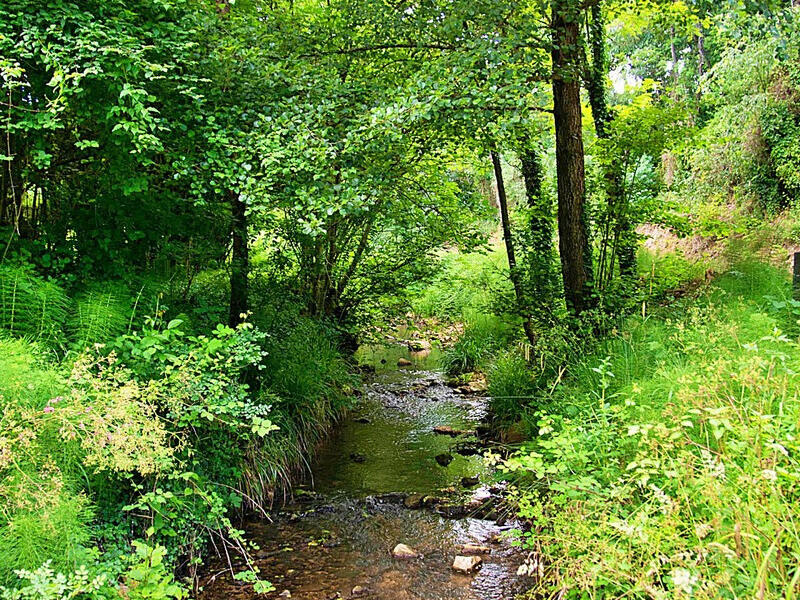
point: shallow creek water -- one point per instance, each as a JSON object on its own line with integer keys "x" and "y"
{"x": 339, "y": 532}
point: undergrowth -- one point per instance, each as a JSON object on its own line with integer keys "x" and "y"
{"x": 664, "y": 463}
{"x": 133, "y": 429}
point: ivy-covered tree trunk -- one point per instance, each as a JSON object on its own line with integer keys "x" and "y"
{"x": 619, "y": 238}
{"x": 576, "y": 255}
{"x": 523, "y": 306}
{"x": 240, "y": 260}
{"x": 540, "y": 253}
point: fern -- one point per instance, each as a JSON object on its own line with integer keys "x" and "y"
{"x": 32, "y": 307}
{"x": 59, "y": 531}
{"x": 101, "y": 313}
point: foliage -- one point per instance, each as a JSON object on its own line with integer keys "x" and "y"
{"x": 31, "y": 306}
{"x": 645, "y": 479}
{"x": 45, "y": 584}
{"x": 149, "y": 578}
{"x": 459, "y": 288}
{"x": 101, "y": 313}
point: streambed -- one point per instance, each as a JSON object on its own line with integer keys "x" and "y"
{"x": 335, "y": 540}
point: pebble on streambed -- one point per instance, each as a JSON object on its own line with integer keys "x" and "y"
{"x": 404, "y": 552}
{"x": 467, "y": 564}
{"x": 444, "y": 459}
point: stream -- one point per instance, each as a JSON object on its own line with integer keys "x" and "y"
{"x": 335, "y": 539}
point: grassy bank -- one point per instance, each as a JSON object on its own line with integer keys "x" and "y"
{"x": 664, "y": 463}
{"x": 133, "y": 433}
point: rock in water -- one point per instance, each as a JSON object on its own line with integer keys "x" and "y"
{"x": 447, "y": 430}
{"x": 357, "y": 458}
{"x": 413, "y": 501}
{"x": 474, "y": 549}
{"x": 444, "y": 459}
{"x": 470, "y": 481}
{"x": 403, "y": 362}
{"x": 467, "y": 564}
{"x": 404, "y": 552}
{"x": 418, "y": 345}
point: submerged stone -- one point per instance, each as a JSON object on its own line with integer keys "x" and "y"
{"x": 467, "y": 564}
{"x": 413, "y": 501}
{"x": 404, "y": 552}
{"x": 418, "y": 345}
{"x": 444, "y": 459}
{"x": 474, "y": 549}
{"x": 452, "y": 432}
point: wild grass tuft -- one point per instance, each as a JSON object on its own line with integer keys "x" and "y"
{"x": 483, "y": 335}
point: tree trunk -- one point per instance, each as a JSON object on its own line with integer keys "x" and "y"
{"x": 701, "y": 51}
{"x": 576, "y": 257}
{"x": 617, "y": 208}
{"x": 240, "y": 260}
{"x": 522, "y": 305}
{"x": 673, "y": 54}
{"x": 541, "y": 257}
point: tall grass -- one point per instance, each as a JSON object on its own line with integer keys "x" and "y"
{"x": 483, "y": 335}
{"x": 665, "y": 463}
{"x": 308, "y": 383}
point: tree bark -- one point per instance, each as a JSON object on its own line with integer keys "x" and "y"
{"x": 240, "y": 260}
{"x": 576, "y": 257}
{"x": 523, "y": 307}
{"x": 701, "y": 51}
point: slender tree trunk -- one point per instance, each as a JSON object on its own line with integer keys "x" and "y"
{"x": 240, "y": 260}
{"x": 674, "y": 54}
{"x": 701, "y": 51}
{"x": 576, "y": 257}
{"x": 523, "y": 307}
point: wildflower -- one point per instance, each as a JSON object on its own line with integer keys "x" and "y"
{"x": 683, "y": 580}
{"x": 56, "y": 400}
{"x": 48, "y": 409}
{"x": 714, "y": 467}
{"x": 702, "y": 530}
{"x": 769, "y": 474}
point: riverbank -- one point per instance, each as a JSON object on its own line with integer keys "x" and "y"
{"x": 664, "y": 463}
{"x": 137, "y": 453}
